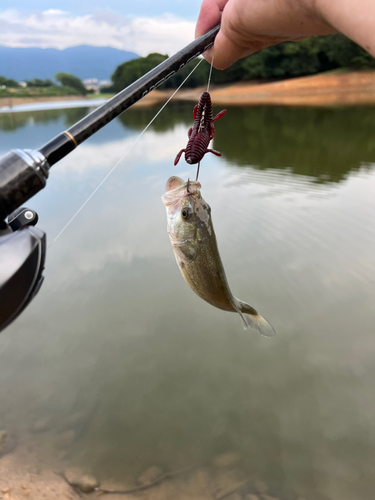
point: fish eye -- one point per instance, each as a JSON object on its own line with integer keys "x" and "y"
{"x": 185, "y": 213}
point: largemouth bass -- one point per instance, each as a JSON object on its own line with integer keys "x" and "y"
{"x": 194, "y": 244}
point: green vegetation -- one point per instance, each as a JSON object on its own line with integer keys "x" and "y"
{"x": 38, "y": 83}
{"x": 8, "y": 83}
{"x": 128, "y": 72}
{"x": 311, "y": 56}
{"x": 71, "y": 81}
{"x": 69, "y": 85}
{"x": 308, "y": 57}
{"x": 14, "y": 121}
{"x": 37, "y": 92}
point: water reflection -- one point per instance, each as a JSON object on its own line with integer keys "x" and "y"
{"x": 13, "y": 121}
{"x": 322, "y": 143}
{"x": 120, "y": 353}
{"x": 325, "y": 144}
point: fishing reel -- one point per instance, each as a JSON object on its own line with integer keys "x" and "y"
{"x": 22, "y": 257}
{"x": 22, "y": 245}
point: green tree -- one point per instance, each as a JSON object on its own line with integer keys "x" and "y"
{"x": 37, "y": 82}
{"x": 311, "y": 56}
{"x": 8, "y": 82}
{"x": 128, "y": 72}
{"x": 71, "y": 81}
{"x": 286, "y": 60}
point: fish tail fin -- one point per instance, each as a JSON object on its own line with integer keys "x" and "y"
{"x": 251, "y": 319}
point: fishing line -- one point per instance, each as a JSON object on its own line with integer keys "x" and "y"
{"x": 123, "y": 156}
{"x": 209, "y": 76}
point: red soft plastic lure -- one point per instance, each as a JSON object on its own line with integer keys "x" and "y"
{"x": 201, "y": 133}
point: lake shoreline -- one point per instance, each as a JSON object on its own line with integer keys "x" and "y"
{"x": 34, "y": 472}
{"x": 326, "y": 89}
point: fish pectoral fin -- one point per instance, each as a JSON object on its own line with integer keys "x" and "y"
{"x": 251, "y": 319}
{"x": 185, "y": 250}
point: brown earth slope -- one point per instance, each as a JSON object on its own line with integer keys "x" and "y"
{"x": 328, "y": 89}
{"x": 319, "y": 90}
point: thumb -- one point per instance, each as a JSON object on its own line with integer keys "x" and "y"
{"x": 226, "y": 51}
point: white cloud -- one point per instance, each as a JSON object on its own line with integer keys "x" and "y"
{"x": 56, "y": 28}
{"x": 54, "y": 12}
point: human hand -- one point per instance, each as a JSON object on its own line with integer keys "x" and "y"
{"x": 251, "y": 25}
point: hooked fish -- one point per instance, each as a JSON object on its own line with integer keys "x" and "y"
{"x": 194, "y": 244}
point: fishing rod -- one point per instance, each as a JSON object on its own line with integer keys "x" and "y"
{"x": 24, "y": 172}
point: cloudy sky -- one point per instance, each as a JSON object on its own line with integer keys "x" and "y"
{"x": 142, "y": 26}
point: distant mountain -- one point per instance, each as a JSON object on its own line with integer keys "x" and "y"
{"x": 84, "y": 61}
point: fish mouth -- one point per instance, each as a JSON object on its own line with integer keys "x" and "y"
{"x": 173, "y": 183}
{"x": 176, "y": 189}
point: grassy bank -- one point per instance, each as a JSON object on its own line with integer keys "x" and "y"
{"x": 37, "y": 92}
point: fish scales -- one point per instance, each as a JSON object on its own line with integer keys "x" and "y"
{"x": 205, "y": 274}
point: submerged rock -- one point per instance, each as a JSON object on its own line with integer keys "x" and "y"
{"x": 73, "y": 474}
{"x": 88, "y": 483}
{"x": 150, "y": 475}
{"x": 225, "y": 460}
{"x": 78, "y": 477}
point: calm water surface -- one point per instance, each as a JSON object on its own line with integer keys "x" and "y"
{"x": 147, "y": 373}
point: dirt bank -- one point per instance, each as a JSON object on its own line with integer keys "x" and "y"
{"x": 333, "y": 89}
{"x": 320, "y": 90}
{"x": 329, "y": 89}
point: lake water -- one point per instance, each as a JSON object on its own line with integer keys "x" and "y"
{"x": 117, "y": 349}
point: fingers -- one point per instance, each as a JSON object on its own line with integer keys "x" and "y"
{"x": 226, "y": 50}
{"x": 251, "y": 25}
{"x": 209, "y": 16}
